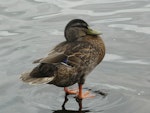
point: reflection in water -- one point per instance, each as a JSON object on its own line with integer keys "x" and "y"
{"x": 64, "y": 110}
{"x": 104, "y": 94}
{"x": 70, "y": 111}
{"x": 79, "y": 101}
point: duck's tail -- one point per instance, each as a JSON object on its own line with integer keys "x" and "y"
{"x": 36, "y": 75}
{"x": 25, "y": 77}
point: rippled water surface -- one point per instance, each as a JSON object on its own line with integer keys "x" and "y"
{"x": 30, "y": 28}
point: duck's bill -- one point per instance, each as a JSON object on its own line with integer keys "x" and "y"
{"x": 93, "y": 32}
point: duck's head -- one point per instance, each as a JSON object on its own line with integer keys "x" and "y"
{"x": 78, "y": 28}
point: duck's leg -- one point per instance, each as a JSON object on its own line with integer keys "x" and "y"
{"x": 65, "y": 101}
{"x": 69, "y": 91}
{"x": 79, "y": 101}
{"x": 82, "y": 95}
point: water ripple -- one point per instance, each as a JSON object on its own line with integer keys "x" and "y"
{"x": 92, "y": 13}
{"x": 117, "y": 58}
{"x": 70, "y": 4}
{"x": 7, "y": 33}
{"x": 135, "y": 28}
{"x": 111, "y": 20}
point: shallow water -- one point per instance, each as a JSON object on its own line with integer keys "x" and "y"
{"x": 30, "y": 28}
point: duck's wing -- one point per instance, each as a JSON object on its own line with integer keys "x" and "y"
{"x": 73, "y": 53}
{"x": 56, "y": 55}
{"x": 81, "y": 54}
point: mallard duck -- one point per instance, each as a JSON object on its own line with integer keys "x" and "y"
{"x": 70, "y": 61}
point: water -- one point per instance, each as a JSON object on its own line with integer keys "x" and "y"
{"x": 30, "y": 28}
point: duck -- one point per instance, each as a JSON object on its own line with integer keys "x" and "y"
{"x": 70, "y": 61}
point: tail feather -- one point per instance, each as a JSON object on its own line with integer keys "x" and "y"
{"x": 25, "y": 77}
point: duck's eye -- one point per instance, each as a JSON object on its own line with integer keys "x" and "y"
{"x": 81, "y": 26}
{"x": 85, "y": 27}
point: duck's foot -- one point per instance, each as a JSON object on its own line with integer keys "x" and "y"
{"x": 84, "y": 95}
{"x": 71, "y": 91}
{"x": 80, "y": 96}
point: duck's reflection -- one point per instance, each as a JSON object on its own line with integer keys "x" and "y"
{"x": 79, "y": 101}
{"x": 65, "y": 101}
{"x": 64, "y": 110}
{"x": 70, "y": 111}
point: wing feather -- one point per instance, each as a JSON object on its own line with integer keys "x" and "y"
{"x": 56, "y": 55}
{"x": 74, "y": 53}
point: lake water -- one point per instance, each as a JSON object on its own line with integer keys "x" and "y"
{"x": 30, "y": 28}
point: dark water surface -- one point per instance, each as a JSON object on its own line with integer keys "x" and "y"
{"x": 30, "y": 28}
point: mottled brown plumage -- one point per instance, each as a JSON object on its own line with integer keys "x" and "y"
{"x": 70, "y": 61}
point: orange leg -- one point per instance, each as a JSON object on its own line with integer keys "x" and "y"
{"x": 70, "y": 91}
{"x": 84, "y": 95}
